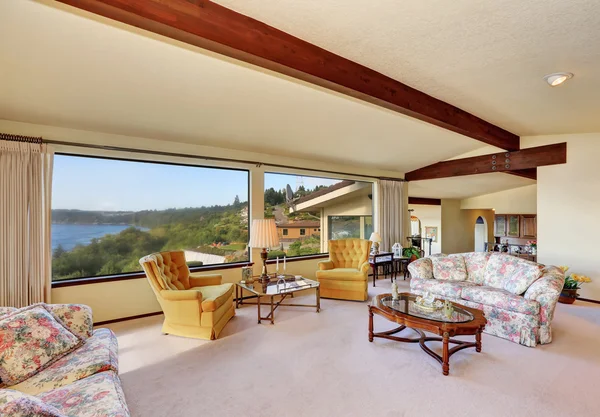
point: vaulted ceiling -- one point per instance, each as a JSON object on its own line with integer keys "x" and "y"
{"x": 65, "y": 67}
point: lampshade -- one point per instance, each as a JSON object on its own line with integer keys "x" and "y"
{"x": 375, "y": 237}
{"x": 263, "y": 234}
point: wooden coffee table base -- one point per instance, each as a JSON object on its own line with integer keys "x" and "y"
{"x": 446, "y": 331}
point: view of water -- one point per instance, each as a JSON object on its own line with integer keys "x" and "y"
{"x": 70, "y": 235}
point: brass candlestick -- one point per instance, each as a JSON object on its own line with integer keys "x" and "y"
{"x": 264, "y": 276}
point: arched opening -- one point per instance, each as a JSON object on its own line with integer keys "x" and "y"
{"x": 481, "y": 231}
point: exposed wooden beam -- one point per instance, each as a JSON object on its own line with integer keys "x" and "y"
{"x": 530, "y": 173}
{"x": 425, "y": 201}
{"x": 508, "y": 162}
{"x": 216, "y": 28}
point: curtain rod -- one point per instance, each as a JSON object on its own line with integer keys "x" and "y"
{"x": 180, "y": 155}
{"x": 19, "y": 138}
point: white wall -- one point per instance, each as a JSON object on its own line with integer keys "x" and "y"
{"x": 522, "y": 200}
{"x": 568, "y": 208}
{"x": 430, "y": 216}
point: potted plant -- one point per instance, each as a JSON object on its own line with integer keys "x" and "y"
{"x": 532, "y": 246}
{"x": 572, "y": 283}
{"x": 412, "y": 252}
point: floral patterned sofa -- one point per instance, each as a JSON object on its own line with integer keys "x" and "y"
{"x": 518, "y": 297}
{"x": 82, "y": 383}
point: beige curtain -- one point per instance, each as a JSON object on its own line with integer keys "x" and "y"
{"x": 393, "y": 210}
{"x": 25, "y": 245}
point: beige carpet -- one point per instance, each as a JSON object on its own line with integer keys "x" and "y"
{"x": 310, "y": 364}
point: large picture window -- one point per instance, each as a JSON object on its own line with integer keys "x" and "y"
{"x": 108, "y": 213}
{"x": 302, "y": 205}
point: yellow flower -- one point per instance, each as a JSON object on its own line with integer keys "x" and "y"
{"x": 564, "y": 268}
{"x": 584, "y": 278}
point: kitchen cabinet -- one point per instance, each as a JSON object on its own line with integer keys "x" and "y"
{"x": 513, "y": 225}
{"x": 528, "y": 226}
{"x": 500, "y": 225}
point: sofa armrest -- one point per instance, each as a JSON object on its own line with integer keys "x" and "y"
{"x": 325, "y": 265}
{"x": 77, "y": 317}
{"x": 421, "y": 268}
{"x": 181, "y": 295}
{"x": 546, "y": 290}
{"x": 202, "y": 280}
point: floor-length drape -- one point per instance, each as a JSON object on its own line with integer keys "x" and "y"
{"x": 25, "y": 242}
{"x": 392, "y": 213}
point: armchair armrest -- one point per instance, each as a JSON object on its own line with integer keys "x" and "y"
{"x": 181, "y": 295}
{"x": 202, "y": 280}
{"x": 325, "y": 265}
{"x": 364, "y": 268}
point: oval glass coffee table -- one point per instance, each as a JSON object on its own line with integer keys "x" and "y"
{"x": 404, "y": 311}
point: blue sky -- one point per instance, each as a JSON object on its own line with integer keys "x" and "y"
{"x": 105, "y": 184}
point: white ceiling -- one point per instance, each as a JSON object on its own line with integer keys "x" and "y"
{"x": 487, "y": 56}
{"x": 64, "y": 67}
{"x": 466, "y": 186}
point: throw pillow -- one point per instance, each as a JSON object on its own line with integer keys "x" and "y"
{"x": 421, "y": 268}
{"x": 475, "y": 263}
{"x": 31, "y": 339}
{"x": 451, "y": 268}
{"x": 18, "y": 404}
{"x": 524, "y": 274}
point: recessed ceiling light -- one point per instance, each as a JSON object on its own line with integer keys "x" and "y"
{"x": 557, "y": 78}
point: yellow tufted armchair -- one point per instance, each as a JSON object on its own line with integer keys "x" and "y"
{"x": 196, "y": 306}
{"x": 345, "y": 274}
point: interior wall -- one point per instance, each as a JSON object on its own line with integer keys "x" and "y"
{"x": 458, "y": 226}
{"x": 568, "y": 201}
{"x": 522, "y": 200}
{"x": 430, "y": 216}
{"x": 120, "y": 299}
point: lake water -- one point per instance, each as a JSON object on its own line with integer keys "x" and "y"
{"x": 70, "y": 235}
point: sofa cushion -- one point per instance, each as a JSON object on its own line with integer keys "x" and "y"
{"x": 97, "y": 395}
{"x": 18, "y": 404}
{"x": 422, "y": 268}
{"x": 525, "y": 274}
{"x": 99, "y": 353}
{"x": 501, "y": 267}
{"x": 77, "y": 317}
{"x": 31, "y": 339}
{"x": 5, "y": 311}
{"x": 475, "y": 263}
{"x": 342, "y": 274}
{"x": 214, "y": 296}
{"x": 451, "y": 268}
{"x": 451, "y": 289}
{"x": 501, "y": 299}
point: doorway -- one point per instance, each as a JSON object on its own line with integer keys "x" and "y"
{"x": 481, "y": 231}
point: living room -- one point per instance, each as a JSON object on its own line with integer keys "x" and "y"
{"x": 138, "y": 123}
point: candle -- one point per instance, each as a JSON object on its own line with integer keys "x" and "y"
{"x": 284, "y": 259}
{"x": 277, "y": 264}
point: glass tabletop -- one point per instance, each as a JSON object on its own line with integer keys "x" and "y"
{"x": 406, "y": 304}
{"x": 273, "y": 288}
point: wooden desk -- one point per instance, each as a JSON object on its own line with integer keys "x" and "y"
{"x": 382, "y": 259}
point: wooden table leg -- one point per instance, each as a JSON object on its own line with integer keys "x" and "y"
{"x": 374, "y": 274}
{"x": 272, "y": 312}
{"x": 478, "y": 341}
{"x": 318, "y": 299}
{"x": 258, "y": 307}
{"x": 370, "y": 324}
{"x": 445, "y": 355}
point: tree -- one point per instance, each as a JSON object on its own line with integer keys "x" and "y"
{"x": 236, "y": 200}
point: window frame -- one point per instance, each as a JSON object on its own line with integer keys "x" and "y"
{"x": 140, "y": 274}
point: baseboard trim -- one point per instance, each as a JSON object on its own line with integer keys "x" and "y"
{"x": 139, "y": 316}
{"x": 589, "y": 300}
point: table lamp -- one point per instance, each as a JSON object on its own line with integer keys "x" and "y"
{"x": 375, "y": 238}
{"x": 263, "y": 235}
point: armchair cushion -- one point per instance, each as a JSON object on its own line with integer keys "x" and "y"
{"x": 349, "y": 253}
{"x": 197, "y": 280}
{"x": 346, "y": 274}
{"x": 450, "y": 268}
{"x": 215, "y": 296}
{"x": 185, "y": 295}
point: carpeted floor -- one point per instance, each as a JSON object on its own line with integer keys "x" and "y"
{"x": 310, "y": 364}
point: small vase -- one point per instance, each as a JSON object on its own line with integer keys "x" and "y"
{"x": 568, "y": 296}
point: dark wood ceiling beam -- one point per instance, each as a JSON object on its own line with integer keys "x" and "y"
{"x": 425, "y": 201}
{"x": 508, "y": 162}
{"x": 530, "y": 173}
{"x": 216, "y": 28}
